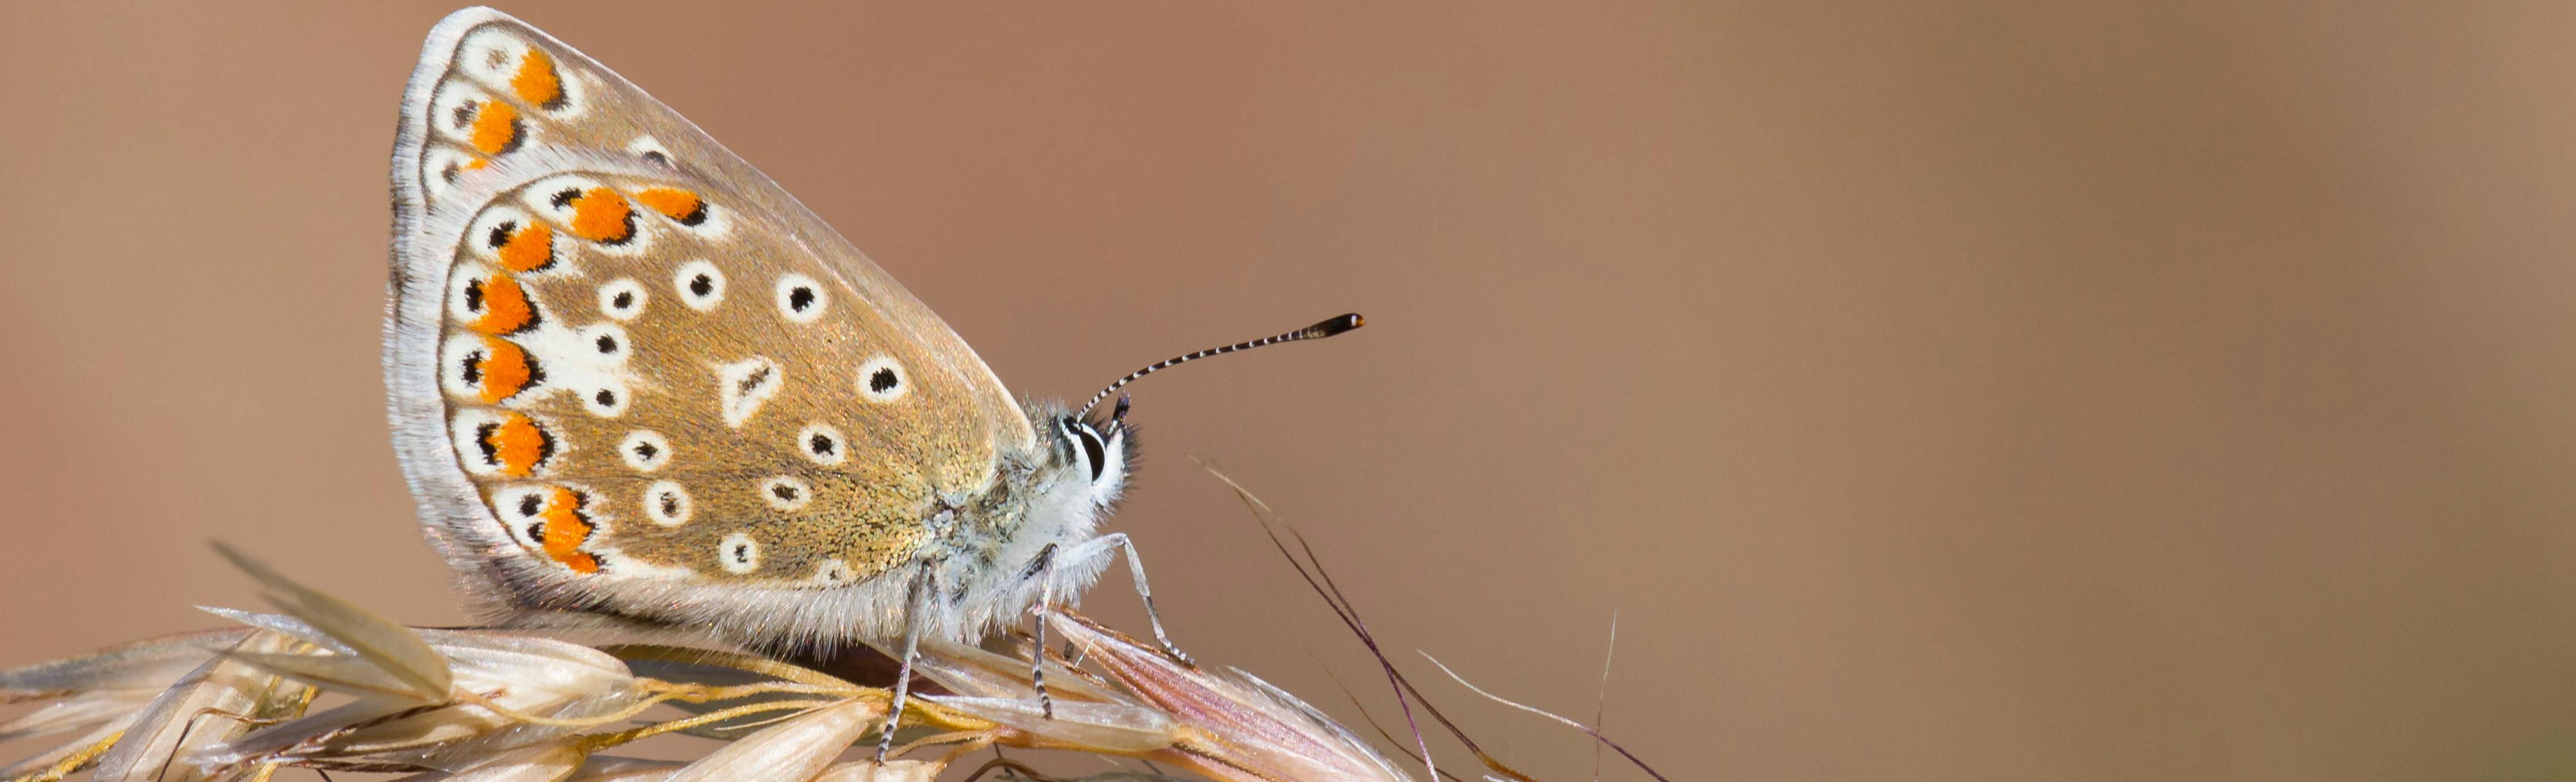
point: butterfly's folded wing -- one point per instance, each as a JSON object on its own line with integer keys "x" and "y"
{"x": 621, "y": 355}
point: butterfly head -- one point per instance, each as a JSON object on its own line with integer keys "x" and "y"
{"x": 1097, "y": 454}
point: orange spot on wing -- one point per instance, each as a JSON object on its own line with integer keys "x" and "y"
{"x": 477, "y": 164}
{"x": 536, "y": 81}
{"x": 674, "y": 203}
{"x": 505, "y": 307}
{"x": 530, "y": 249}
{"x": 601, "y": 216}
{"x": 505, "y": 370}
{"x": 565, "y": 529}
{"x": 518, "y": 445}
{"x": 496, "y": 127}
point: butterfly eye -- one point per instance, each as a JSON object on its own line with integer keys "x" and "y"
{"x": 1094, "y": 452}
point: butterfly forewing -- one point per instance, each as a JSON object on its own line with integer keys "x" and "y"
{"x": 620, "y": 352}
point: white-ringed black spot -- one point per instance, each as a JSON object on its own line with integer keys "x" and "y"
{"x": 701, "y": 285}
{"x": 651, "y": 151}
{"x": 531, "y": 504}
{"x": 607, "y": 401}
{"x": 563, "y": 198}
{"x": 786, "y": 492}
{"x": 645, "y": 450}
{"x": 800, "y": 299}
{"x": 622, "y": 298}
{"x": 606, "y": 343}
{"x": 738, "y": 553}
{"x": 833, "y": 571}
{"x": 666, "y": 503}
{"x": 882, "y": 380}
{"x": 822, "y": 443}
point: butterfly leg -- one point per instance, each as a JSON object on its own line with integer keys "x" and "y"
{"x": 1042, "y": 569}
{"x": 925, "y": 587}
{"x": 1100, "y": 546}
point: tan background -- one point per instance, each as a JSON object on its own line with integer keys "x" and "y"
{"x": 1934, "y": 390}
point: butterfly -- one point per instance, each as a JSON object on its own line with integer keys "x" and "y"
{"x": 634, "y": 383}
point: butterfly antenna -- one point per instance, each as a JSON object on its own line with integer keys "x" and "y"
{"x": 1329, "y": 327}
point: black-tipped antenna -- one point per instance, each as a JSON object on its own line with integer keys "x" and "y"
{"x": 1329, "y": 327}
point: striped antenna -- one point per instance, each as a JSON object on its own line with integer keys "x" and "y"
{"x": 1329, "y": 327}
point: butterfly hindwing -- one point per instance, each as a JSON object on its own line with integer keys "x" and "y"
{"x": 620, "y": 354}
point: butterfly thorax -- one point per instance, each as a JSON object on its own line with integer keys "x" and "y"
{"x": 994, "y": 554}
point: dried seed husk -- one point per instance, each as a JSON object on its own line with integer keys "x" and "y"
{"x": 215, "y": 703}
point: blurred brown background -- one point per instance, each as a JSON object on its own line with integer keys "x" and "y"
{"x": 1933, "y": 390}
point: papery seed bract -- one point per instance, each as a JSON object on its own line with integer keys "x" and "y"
{"x": 213, "y": 704}
{"x": 77, "y": 711}
{"x": 795, "y": 749}
{"x": 381, "y": 641}
{"x": 1098, "y": 727}
{"x": 523, "y": 674}
{"x": 151, "y": 664}
{"x": 95, "y": 735}
{"x": 1254, "y": 731}
{"x": 889, "y": 771}
{"x": 551, "y": 761}
{"x": 601, "y": 768}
